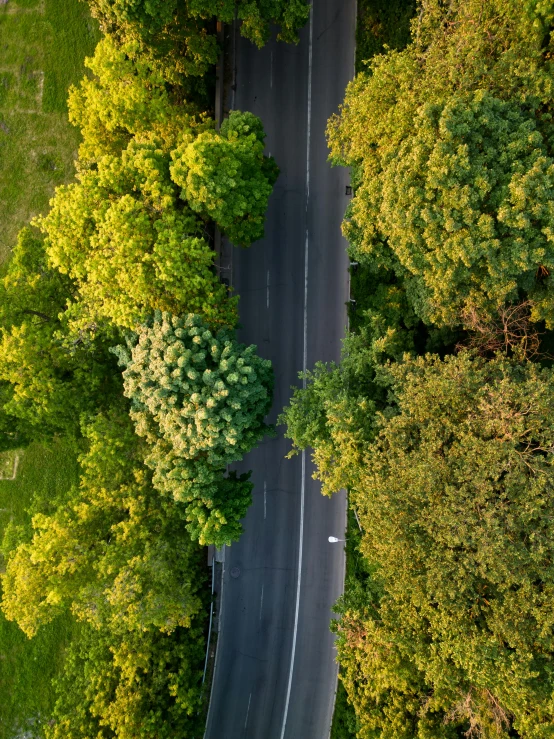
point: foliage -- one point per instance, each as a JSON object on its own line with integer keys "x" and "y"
{"x": 226, "y": 177}
{"x": 115, "y": 554}
{"x": 382, "y": 25}
{"x": 130, "y": 685}
{"x": 131, "y": 246}
{"x": 453, "y": 183}
{"x": 46, "y": 382}
{"x": 176, "y": 36}
{"x": 463, "y": 210}
{"x": 454, "y": 497}
{"x": 199, "y": 399}
{"x": 44, "y": 476}
{"x": 125, "y": 97}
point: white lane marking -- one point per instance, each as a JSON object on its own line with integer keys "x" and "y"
{"x": 271, "y": 70}
{"x": 265, "y": 499}
{"x": 267, "y": 296}
{"x": 261, "y": 602}
{"x": 248, "y": 711}
{"x": 304, "y": 367}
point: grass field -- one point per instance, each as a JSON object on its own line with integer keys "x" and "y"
{"x": 27, "y": 666}
{"x": 43, "y": 46}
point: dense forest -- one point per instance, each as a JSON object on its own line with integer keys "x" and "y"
{"x": 439, "y": 418}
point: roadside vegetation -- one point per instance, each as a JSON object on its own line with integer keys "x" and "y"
{"x": 438, "y": 420}
{"x": 118, "y": 352}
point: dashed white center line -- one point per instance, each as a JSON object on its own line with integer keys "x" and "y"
{"x": 261, "y": 602}
{"x": 248, "y": 711}
{"x": 267, "y": 284}
{"x": 271, "y": 70}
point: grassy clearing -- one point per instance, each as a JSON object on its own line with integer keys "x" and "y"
{"x": 44, "y": 43}
{"x": 27, "y": 667}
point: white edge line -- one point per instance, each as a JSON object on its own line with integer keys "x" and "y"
{"x": 248, "y": 711}
{"x": 217, "y": 649}
{"x": 346, "y": 491}
{"x": 304, "y": 367}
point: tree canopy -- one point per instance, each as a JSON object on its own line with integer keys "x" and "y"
{"x": 131, "y": 245}
{"x": 452, "y": 483}
{"x": 226, "y": 177}
{"x": 114, "y": 554}
{"x": 178, "y": 36}
{"x": 454, "y": 160}
{"x": 49, "y": 375}
{"x": 199, "y": 399}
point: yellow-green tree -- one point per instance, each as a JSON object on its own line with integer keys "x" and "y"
{"x": 131, "y": 246}
{"x": 225, "y": 176}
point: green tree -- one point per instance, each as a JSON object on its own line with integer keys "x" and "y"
{"x": 176, "y": 35}
{"x": 115, "y": 553}
{"x": 199, "y": 398}
{"x": 453, "y": 159}
{"x": 453, "y": 488}
{"x": 48, "y": 376}
{"x": 130, "y": 685}
{"x": 226, "y": 177}
{"x": 126, "y": 96}
{"x": 131, "y": 246}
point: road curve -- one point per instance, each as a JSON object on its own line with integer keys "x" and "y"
{"x": 275, "y": 674}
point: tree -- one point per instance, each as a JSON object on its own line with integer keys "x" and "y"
{"x": 463, "y": 211}
{"x": 115, "y": 553}
{"x": 199, "y": 399}
{"x": 177, "y": 37}
{"x": 454, "y": 183}
{"x": 130, "y": 245}
{"x": 127, "y": 96}
{"x": 130, "y": 685}
{"x": 454, "y": 498}
{"x": 226, "y": 177}
{"x": 48, "y": 376}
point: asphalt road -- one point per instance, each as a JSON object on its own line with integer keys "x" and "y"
{"x": 275, "y": 674}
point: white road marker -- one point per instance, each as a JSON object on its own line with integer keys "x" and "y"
{"x": 271, "y": 70}
{"x": 261, "y": 602}
{"x": 304, "y": 367}
{"x": 248, "y": 711}
{"x": 265, "y": 499}
{"x": 267, "y": 296}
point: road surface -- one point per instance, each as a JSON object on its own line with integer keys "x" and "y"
{"x": 275, "y": 674}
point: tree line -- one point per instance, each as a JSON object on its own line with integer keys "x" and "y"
{"x": 438, "y": 419}
{"x": 117, "y": 334}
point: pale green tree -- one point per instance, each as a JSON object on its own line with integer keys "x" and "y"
{"x": 199, "y": 398}
{"x": 126, "y": 96}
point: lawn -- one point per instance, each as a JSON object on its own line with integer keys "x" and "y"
{"x": 44, "y": 43}
{"x": 27, "y": 666}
